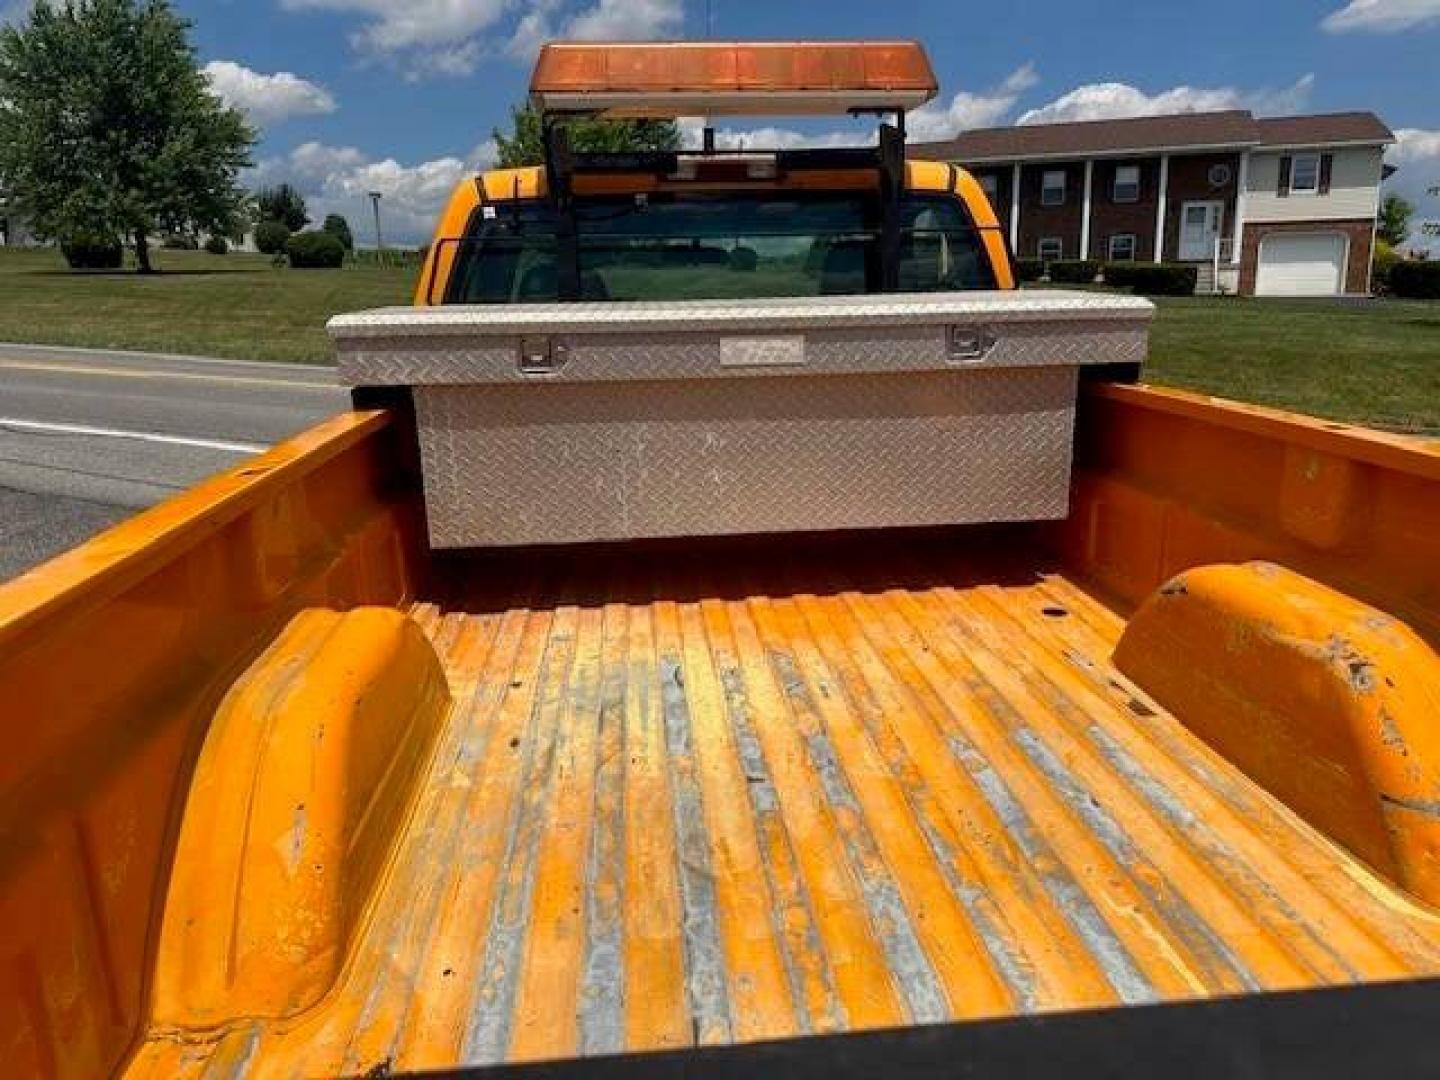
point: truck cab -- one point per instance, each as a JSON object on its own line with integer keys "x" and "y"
{"x": 651, "y": 238}
{"x": 702, "y": 223}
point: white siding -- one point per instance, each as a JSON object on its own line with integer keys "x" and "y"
{"x": 1354, "y": 185}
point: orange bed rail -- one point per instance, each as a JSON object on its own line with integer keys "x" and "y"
{"x": 1167, "y": 481}
{"x": 113, "y": 659}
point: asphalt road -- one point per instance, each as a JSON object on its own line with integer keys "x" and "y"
{"x": 88, "y": 438}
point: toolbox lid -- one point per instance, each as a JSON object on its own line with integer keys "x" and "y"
{"x": 704, "y": 339}
{"x": 664, "y": 80}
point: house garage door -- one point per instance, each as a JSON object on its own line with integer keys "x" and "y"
{"x": 1301, "y": 264}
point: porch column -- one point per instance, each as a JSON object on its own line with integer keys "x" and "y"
{"x": 1015, "y": 209}
{"x": 1160, "y": 208}
{"x": 1242, "y": 181}
{"x": 1085, "y": 208}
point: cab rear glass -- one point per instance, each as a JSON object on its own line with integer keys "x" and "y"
{"x": 732, "y": 245}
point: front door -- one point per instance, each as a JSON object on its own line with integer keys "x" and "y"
{"x": 1200, "y": 224}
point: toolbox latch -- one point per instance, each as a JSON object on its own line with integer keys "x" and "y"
{"x": 541, "y": 356}
{"x": 970, "y": 344}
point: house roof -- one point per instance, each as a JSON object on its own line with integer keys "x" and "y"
{"x": 1236, "y": 128}
{"x": 1326, "y": 128}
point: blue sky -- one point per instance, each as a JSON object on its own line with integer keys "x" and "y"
{"x": 401, "y": 95}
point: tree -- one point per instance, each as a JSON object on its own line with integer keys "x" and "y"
{"x": 525, "y": 144}
{"x": 318, "y": 250}
{"x": 284, "y": 204}
{"x": 109, "y": 131}
{"x": 338, "y": 227}
{"x": 271, "y": 236}
{"x": 1395, "y": 215}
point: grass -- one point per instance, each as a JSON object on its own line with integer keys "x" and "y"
{"x": 1375, "y": 363}
{"x": 234, "y": 305}
{"x": 1365, "y": 362}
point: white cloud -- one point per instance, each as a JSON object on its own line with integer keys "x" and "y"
{"x": 339, "y": 179}
{"x": 317, "y": 162}
{"x": 1108, "y": 101}
{"x": 267, "y": 99}
{"x": 403, "y": 24}
{"x": 975, "y": 109}
{"x": 971, "y": 110}
{"x": 1417, "y": 153}
{"x": 1382, "y": 16}
{"x": 1415, "y": 144}
{"x": 605, "y": 20}
{"x": 611, "y": 20}
{"x": 451, "y": 37}
{"x": 938, "y": 120}
{"x": 773, "y": 138}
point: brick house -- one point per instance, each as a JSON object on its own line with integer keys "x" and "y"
{"x": 1279, "y": 206}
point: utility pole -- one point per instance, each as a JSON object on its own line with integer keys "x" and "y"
{"x": 375, "y": 197}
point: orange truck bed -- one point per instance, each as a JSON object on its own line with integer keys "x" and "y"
{"x": 287, "y": 795}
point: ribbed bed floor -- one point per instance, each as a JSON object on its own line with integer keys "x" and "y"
{"x": 745, "y": 792}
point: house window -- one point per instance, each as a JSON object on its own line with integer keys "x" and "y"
{"x": 1052, "y": 188}
{"x": 1122, "y": 247}
{"x": 1050, "y": 249}
{"x": 1127, "y": 184}
{"x": 991, "y": 186}
{"x": 1305, "y": 174}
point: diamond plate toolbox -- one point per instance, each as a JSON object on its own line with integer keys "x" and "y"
{"x": 546, "y": 424}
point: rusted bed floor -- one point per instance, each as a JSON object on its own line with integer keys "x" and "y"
{"x": 754, "y": 792}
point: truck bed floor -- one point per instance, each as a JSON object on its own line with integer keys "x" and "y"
{"x": 745, "y": 792}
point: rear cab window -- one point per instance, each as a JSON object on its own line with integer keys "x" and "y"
{"x": 731, "y": 245}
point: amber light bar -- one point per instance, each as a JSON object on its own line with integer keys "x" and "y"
{"x": 672, "y": 79}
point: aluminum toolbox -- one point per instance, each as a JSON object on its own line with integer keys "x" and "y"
{"x": 543, "y": 424}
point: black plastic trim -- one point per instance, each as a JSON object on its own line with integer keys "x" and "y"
{"x": 1346, "y": 1032}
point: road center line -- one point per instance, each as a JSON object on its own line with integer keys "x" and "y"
{"x": 9, "y": 424}
{"x": 119, "y": 373}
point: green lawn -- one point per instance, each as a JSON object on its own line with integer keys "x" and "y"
{"x": 1374, "y": 363}
{"x": 205, "y": 305}
{"x": 1366, "y": 362}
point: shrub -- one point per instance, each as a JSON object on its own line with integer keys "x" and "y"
{"x": 315, "y": 251}
{"x": 338, "y": 227}
{"x": 1162, "y": 279}
{"x": 217, "y": 245}
{"x": 1074, "y": 271}
{"x": 1120, "y": 274}
{"x": 1381, "y": 264}
{"x": 745, "y": 260}
{"x": 389, "y": 259}
{"x": 92, "y": 253}
{"x": 1416, "y": 280}
{"x": 271, "y": 237}
{"x": 177, "y": 242}
{"x": 1027, "y": 270}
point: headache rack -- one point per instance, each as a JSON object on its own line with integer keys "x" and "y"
{"x": 667, "y": 81}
